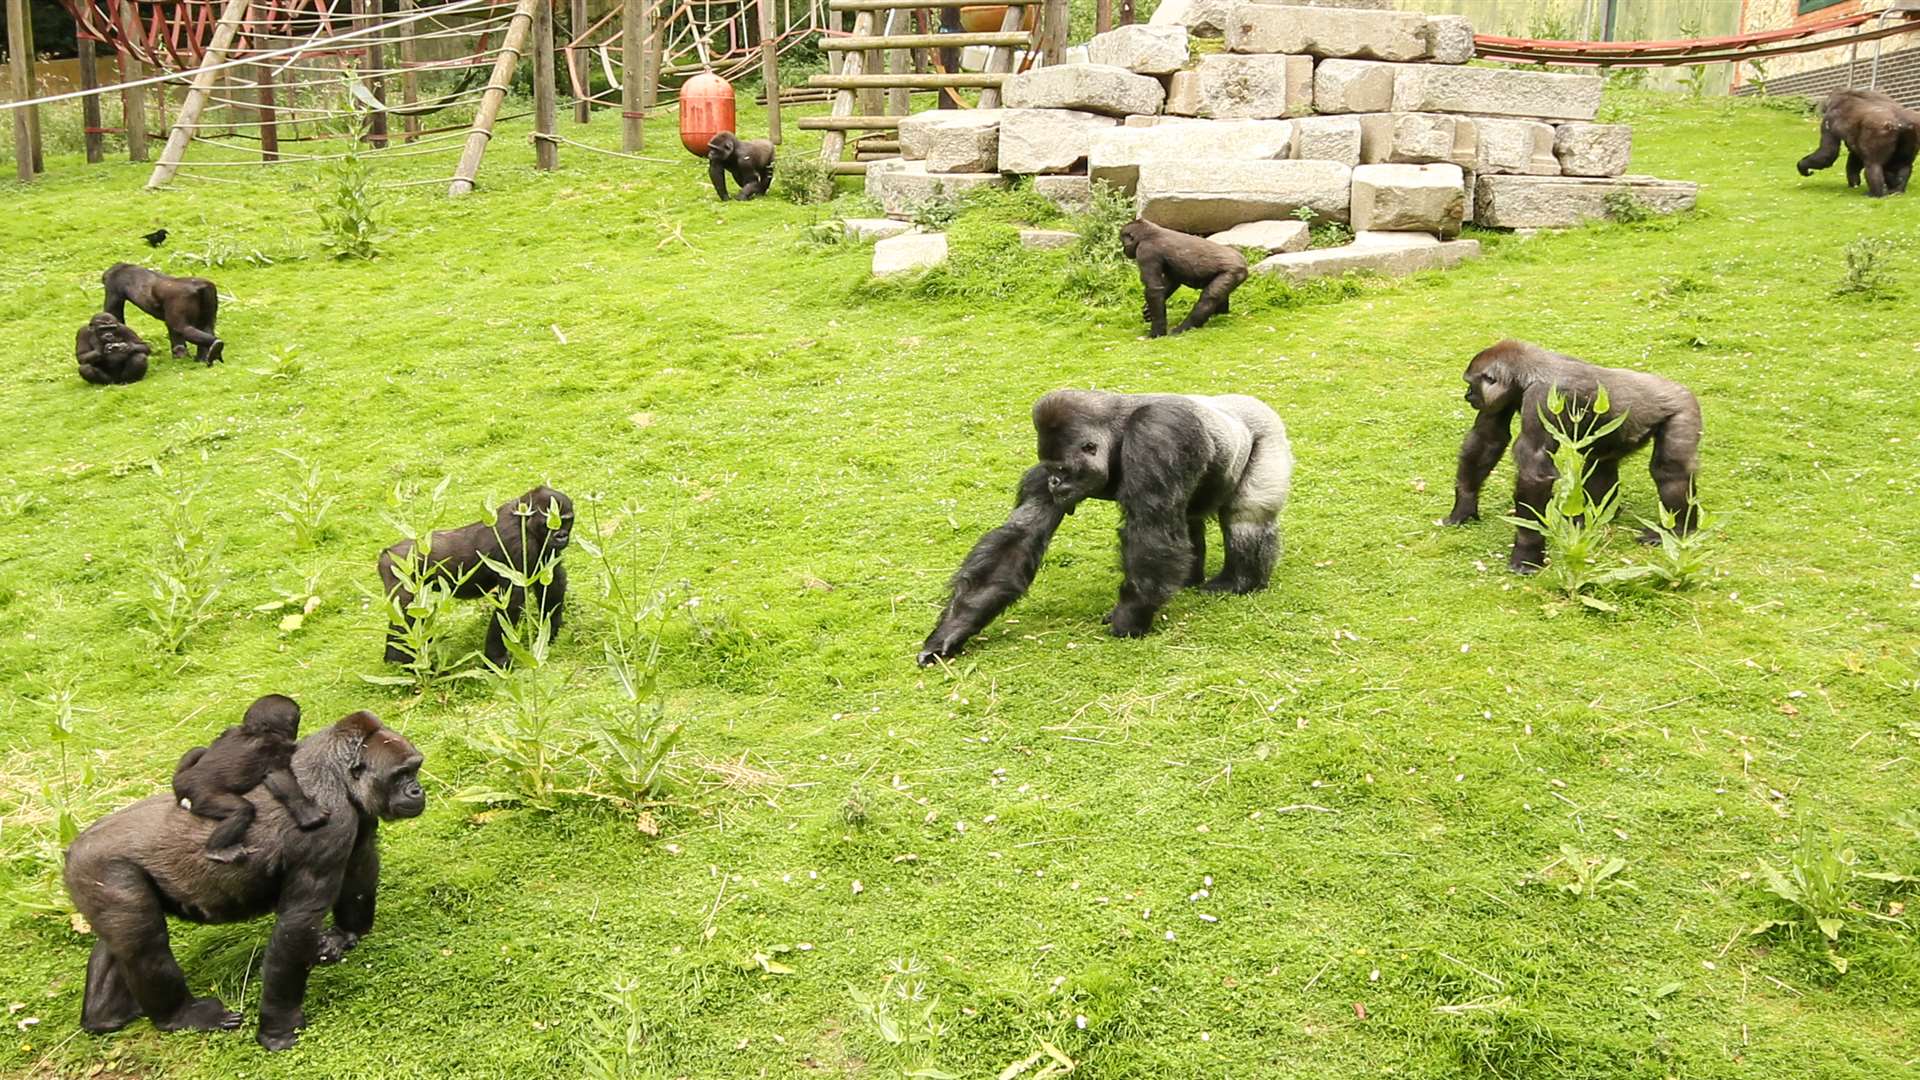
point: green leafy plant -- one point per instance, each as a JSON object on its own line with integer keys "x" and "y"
{"x": 1576, "y": 527}
{"x": 61, "y": 790}
{"x": 284, "y": 364}
{"x": 1592, "y": 873}
{"x": 418, "y": 626}
{"x": 350, "y": 210}
{"x": 1680, "y": 560}
{"x": 305, "y": 507}
{"x": 1868, "y": 275}
{"x": 1817, "y": 888}
{"x": 804, "y": 178}
{"x": 182, "y": 581}
{"x": 902, "y": 1018}
{"x": 295, "y": 604}
{"x": 1627, "y": 208}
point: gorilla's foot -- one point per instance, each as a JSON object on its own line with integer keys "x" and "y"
{"x": 201, "y": 1014}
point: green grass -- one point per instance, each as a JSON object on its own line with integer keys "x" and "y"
{"x": 816, "y": 455}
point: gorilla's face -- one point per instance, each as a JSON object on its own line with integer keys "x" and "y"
{"x": 1130, "y": 237}
{"x": 721, "y": 147}
{"x": 1076, "y": 459}
{"x": 1485, "y": 388}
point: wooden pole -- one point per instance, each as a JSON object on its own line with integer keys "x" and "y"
{"x": 899, "y": 100}
{"x": 770, "y": 68}
{"x": 546, "y": 152}
{"x": 1102, "y": 16}
{"x": 633, "y": 61}
{"x": 651, "y": 29}
{"x": 409, "y": 79}
{"x": 29, "y": 48}
{"x": 496, "y": 92}
{"x": 999, "y": 61}
{"x": 1053, "y": 31}
{"x": 1126, "y": 12}
{"x": 577, "y": 62}
{"x": 196, "y": 99}
{"x": 372, "y": 13}
{"x": 20, "y": 77}
{"x": 949, "y": 56}
{"x": 90, "y": 105}
{"x": 133, "y": 103}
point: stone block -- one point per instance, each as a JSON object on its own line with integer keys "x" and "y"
{"x": 952, "y": 140}
{"x": 1227, "y": 86}
{"x": 1205, "y": 197}
{"x": 1047, "y": 140}
{"x": 1364, "y": 5}
{"x": 1409, "y": 198}
{"x": 1044, "y": 239}
{"x": 1117, "y": 155}
{"x": 1449, "y": 39}
{"x": 1157, "y": 121}
{"x": 1353, "y": 86}
{"x": 1099, "y": 88}
{"x": 909, "y": 252}
{"x": 1417, "y": 138}
{"x": 1271, "y": 237}
{"x": 1201, "y": 18}
{"x": 1327, "y": 138}
{"x": 1593, "y": 149}
{"x": 1145, "y": 49}
{"x": 1386, "y": 254}
{"x": 1536, "y": 202}
{"x": 903, "y": 187}
{"x": 1495, "y": 92}
{"x": 1513, "y": 146}
{"x": 1327, "y": 32}
{"x": 1072, "y": 194}
{"x": 874, "y": 228}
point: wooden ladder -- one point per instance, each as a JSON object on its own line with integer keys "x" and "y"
{"x": 851, "y": 76}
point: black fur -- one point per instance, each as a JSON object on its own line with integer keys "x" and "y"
{"x": 189, "y": 306}
{"x": 212, "y": 781}
{"x": 139, "y": 865}
{"x": 750, "y": 162}
{"x": 519, "y": 537}
{"x": 1170, "y": 259}
{"x": 1516, "y": 377}
{"x": 108, "y": 351}
{"x": 1881, "y": 136}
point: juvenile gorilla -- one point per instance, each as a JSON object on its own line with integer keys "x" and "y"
{"x": 212, "y": 781}
{"x": 138, "y": 865}
{"x": 750, "y": 162}
{"x": 108, "y": 351}
{"x": 525, "y": 533}
{"x": 1171, "y": 461}
{"x": 188, "y": 306}
{"x": 1170, "y": 259}
{"x": 1516, "y": 377}
{"x": 1881, "y": 139}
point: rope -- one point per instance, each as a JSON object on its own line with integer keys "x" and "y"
{"x": 538, "y": 137}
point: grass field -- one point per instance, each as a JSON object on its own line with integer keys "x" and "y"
{"x": 1321, "y": 831}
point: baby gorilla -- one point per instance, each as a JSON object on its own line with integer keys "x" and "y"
{"x": 108, "y": 351}
{"x": 1170, "y": 259}
{"x": 212, "y": 781}
{"x": 751, "y": 164}
{"x": 527, "y": 535}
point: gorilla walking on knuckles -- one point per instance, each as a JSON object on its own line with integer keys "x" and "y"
{"x": 188, "y": 306}
{"x": 527, "y": 534}
{"x": 1882, "y": 139}
{"x": 108, "y": 352}
{"x": 1170, "y": 259}
{"x": 750, "y": 162}
{"x": 139, "y": 865}
{"x": 1516, "y": 377}
{"x": 213, "y": 781}
{"x": 1171, "y": 461}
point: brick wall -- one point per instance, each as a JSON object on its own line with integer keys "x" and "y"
{"x": 1899, "y": 76}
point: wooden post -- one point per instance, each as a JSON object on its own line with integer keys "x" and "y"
{"x": 1053, "y": 32}
{"x": 373, "y": 13}
{"x": 1126, "y": 12}
{"x": 196, "y": 99}
{"x": 633, "y": 61}
{"x": 90, "y": 105}
{"x": 770, "y": 68}
{"x": 652, "y": 31}
{"x": 1000, "y": 60}
{"x": 133, "y": 103}
{"x": 20, "y": 77}
{"x": 496, "y": 92}
{"x": 409, "y": 79}
{"x": 546, "y": 152}
{"x": 577, "y": 62}
{"x": 899, "y": 99}
{"x": 1102, "y": 16}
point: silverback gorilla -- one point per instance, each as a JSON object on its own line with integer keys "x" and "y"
{"x": 1171, "y": 461}
{"x": 1881, "y": 139}
{"x": 526, "y": 533}
{"x": 1516, "y": 377}
{"x": 138, "y": 865}
{"x": 108, "y": 351}
{"x": 188, "y": 306}
{"x": 1170, "y": 259}
{"x": 750, "y": 162}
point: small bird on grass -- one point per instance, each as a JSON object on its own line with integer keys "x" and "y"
{"x": 155, "y": 238}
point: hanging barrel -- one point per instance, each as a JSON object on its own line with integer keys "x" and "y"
{"x": 706, "y": 110}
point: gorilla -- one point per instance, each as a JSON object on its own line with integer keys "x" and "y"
{"x": 524, "y": 535}
{"x": 187, "y": 305}
{"x": 140, "y": 864}
{"x": 108, "y": 352}
{"x": 1171, "y": 461}
{"x": 1881, "y": 137}
{"x": 1515, "y": 377}
{"x": 212, "y": 781}
{"x": 1170, "y": 259}
{"x": 750, "y": 162}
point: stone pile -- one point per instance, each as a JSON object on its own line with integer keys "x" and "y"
{"x": 1342, "y": 111}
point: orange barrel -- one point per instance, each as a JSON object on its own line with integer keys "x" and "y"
{"x": 706, "y": 110}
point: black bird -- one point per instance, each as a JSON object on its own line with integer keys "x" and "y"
{"x": 155, "y": 238}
